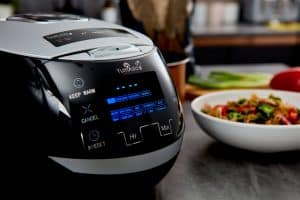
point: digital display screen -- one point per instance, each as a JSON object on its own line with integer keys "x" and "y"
{"x": 134, "y": 96}
{"x": 128, "y": 97}
{"x": 138, "y": 110}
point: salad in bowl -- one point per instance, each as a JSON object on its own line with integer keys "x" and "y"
{"x": 257, "y": 120}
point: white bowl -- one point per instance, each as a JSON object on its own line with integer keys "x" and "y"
{"x": 253, "y": 137}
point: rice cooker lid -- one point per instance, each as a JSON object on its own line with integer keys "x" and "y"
{"x": 69, "y": 37}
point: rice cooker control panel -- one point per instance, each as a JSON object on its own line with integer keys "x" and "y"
{"x": 131, "y": 114}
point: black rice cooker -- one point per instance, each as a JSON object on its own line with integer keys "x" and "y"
{"x": 99, "y": 93}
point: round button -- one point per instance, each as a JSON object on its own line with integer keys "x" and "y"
{"x": 78, "y": 83}
{"x": 94, "y": 135}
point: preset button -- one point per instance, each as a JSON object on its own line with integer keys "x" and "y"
{"x": 93, "y": 139}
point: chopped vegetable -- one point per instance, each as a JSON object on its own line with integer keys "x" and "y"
{"x": 271, "y": 110}
{"x": 266, "y": 109}
{"x": 276, "y": 99}
{"x": 223, "y": 80}
{"x": 235, "y": 116}
{"x": 284, "y": 120}
{"x": 241, "y": 101}
{"x": 222, "y": 109}
{"x": 293, "y": 115}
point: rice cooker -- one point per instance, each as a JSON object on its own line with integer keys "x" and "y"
{"x": 101, "y": 95}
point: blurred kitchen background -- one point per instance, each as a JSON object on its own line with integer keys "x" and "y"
{"x": 217, "y": 31}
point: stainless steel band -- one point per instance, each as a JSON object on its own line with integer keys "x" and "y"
{"x": 120, "y": 165}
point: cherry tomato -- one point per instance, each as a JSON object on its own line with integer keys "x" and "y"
{"x": 223, "y": 109}
{"x": 293, "y": 115}
{"x": 287, "y": 80}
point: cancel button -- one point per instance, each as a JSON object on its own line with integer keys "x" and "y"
{"x": 89, "y": 119}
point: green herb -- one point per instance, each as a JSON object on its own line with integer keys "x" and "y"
{"x": 235, "y": 116}
{"x": 266, "y": 109}
{"x": 276, "y": 99}
{"x": 241, "y": 101}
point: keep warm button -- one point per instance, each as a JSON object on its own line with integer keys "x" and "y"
{"x": 132, "y": 138}
{"x": 166, "y": 128}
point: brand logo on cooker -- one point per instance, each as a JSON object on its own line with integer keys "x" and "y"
{"x": 130, "y": 68}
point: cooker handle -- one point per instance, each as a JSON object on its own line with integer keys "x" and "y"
{"x": 112, "y": 50}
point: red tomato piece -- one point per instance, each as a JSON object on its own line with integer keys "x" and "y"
{"x": 223, "y": 109}
{"x": 293, "y": 115}
{"x": 285, "y": 120}
{"x": 287, "y": 80}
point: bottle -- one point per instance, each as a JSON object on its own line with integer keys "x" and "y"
{"x": 109, "y": 11}
{"x": 8, "y": 8}
{"x": 199, "y": 15}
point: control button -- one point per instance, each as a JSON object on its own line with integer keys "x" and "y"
{"x": 132, "y": 138}
{"x": 150, "y": 128}
{"x": 166, "y": 128}
{"x": 94, "y": 135}
{"x": 87, "y": 109}
{"x": 93, "y": 140}
{"x": 78, "y": 82}
{"x": 88, "y": 114}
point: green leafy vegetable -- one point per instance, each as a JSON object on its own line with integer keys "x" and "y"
{"x": 223, "y": 80}
{"x": 266, "y": 109}
{"x": 241, "y": 101}
{"x": 235, "y": 116}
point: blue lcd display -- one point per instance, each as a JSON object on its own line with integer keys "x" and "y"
{"x": 128, "y": 97}
{"x": 138, "y": 110}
